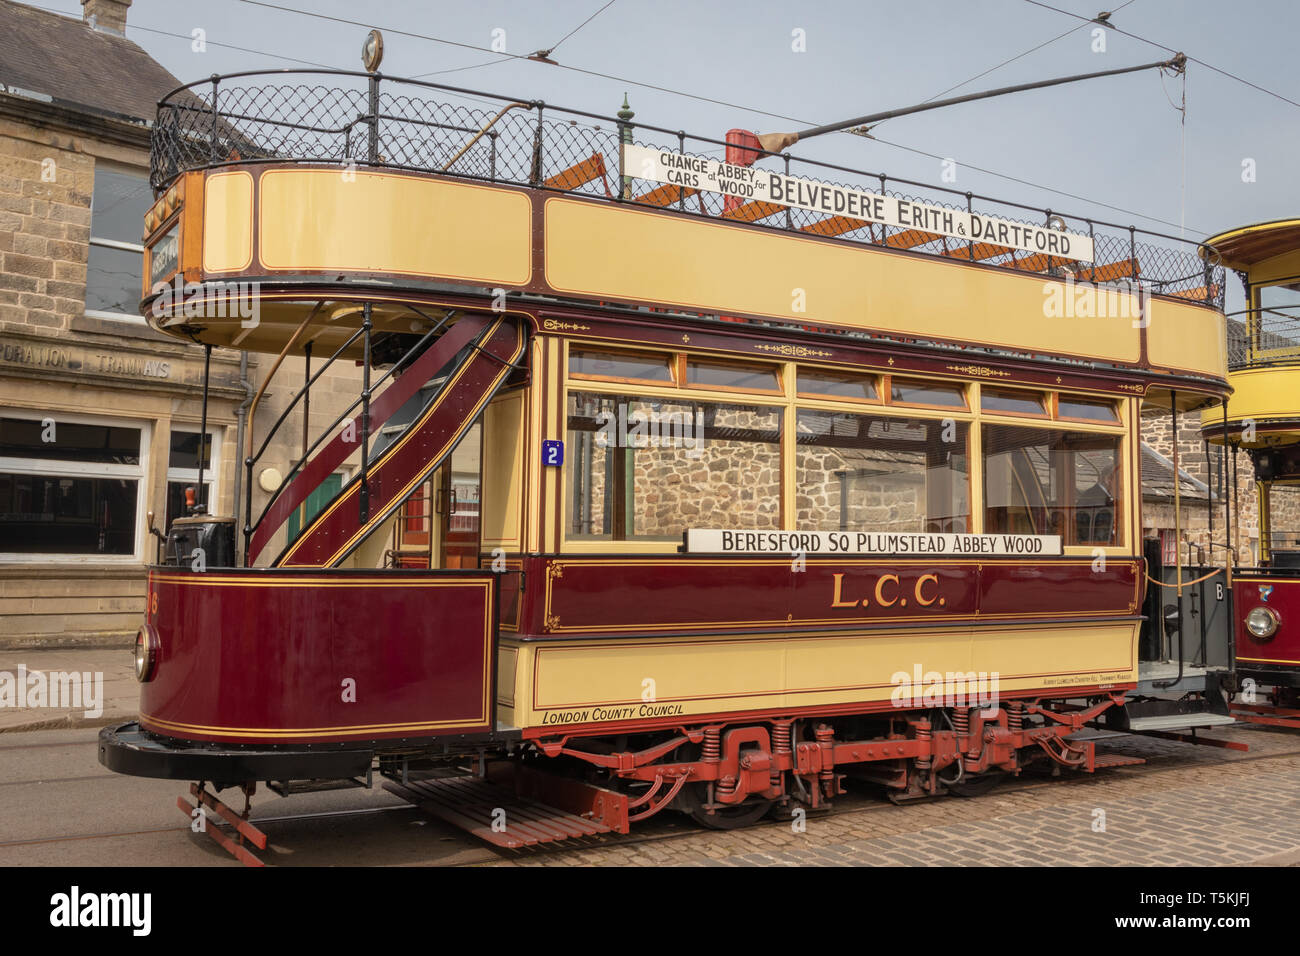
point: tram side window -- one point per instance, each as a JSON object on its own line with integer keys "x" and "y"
{"x": 877, "y": 473}
{"x": 1047, "y": 481}
{"x": 650, "y": 468}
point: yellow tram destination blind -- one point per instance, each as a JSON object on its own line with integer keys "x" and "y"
{"x": 713, "y": 541}
{"x": 762, "y": 185}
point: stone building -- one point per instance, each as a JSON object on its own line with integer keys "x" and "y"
{"x": 1203, "y": 484}
{"x": 99, "y": 415}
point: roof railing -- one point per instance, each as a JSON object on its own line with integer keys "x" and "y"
{"x": 355, "y": 118}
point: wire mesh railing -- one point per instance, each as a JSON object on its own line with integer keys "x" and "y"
{"x": 1263, "y": 337}
{"x": 346, "y": 118}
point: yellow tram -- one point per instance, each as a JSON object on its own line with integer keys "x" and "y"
{"x": 1263, "y": 417}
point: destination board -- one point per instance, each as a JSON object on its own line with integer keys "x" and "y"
{"x": 752, "y": 184}
{"x": 813, "y": 543}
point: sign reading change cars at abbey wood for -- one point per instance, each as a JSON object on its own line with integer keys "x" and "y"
{"x": 762, "y": 185}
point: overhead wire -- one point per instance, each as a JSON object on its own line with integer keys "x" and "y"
{"x": 1168, "y": 49}
{"x": 705, "y": 99}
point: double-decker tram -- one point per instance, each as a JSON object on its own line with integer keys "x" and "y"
{"x": 1263, "y": 417}
{"x": 669, "y": 483}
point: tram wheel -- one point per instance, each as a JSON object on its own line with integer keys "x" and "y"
{"x": 978, "y": 785}
{"x": 691, "y": 800}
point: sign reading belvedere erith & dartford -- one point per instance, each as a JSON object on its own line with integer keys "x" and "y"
{"x": 762, "y": 185}
{"x": 812, "y": 543}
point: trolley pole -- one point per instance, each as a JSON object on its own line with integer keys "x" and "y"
{"x": 773, "y": 143}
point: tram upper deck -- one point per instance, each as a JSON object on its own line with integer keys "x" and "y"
{"x": 326, "y": 189}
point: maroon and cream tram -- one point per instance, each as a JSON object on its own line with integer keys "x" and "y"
{"x": 1263, "y": 417}
{"x": 667, "y": 481}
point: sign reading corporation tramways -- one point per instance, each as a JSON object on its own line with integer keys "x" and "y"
{"x": 836, "y": 543}
{"x": 762, "y": 185}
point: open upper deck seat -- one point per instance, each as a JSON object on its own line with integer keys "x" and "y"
{"x": 1121, "y": 269}
{"x": 580, "y": 174}
{"x": 666, "y": 195}
{"x": 753, "y": 211}
{"x": 980, "y": 250}
{"x": 1199, "y": 294}
{"x": 834, "y": 226}
{"x": 910, "y": 239}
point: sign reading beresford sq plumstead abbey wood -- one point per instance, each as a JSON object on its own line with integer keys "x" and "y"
{"x": 713, "y": 541}
{"x": 763, "y": 185}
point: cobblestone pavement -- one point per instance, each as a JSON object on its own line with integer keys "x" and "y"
{"x": 1189, "y": 806}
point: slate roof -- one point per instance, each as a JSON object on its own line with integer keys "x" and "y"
{"x": 77, "y": 66}
{"x": 1158, "y": 478}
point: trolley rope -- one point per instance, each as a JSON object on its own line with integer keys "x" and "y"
{"x": 1184, "y": 584}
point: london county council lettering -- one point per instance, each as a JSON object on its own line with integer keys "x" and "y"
{"x": 751, "y": 184}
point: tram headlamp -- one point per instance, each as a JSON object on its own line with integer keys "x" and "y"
{"x": 146, "y": 653}
{"x": 1262, "y": 622}
{"x": 372, "y": 51}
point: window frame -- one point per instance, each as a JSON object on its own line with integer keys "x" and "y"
{"x": 971, "y": 422}
{"x": 1123, "y": 511}
{"x": 122, "y": 245}
{"x": 55, "y": 468}
{"x": 670, "y": 363}
{"x": 1048, "y": 399}
{"x": 1075, "y": 396}
{"x": 775, "y": 368}
{"x": 964, "y": 388}
{"x": 877, "y": 382}
{"x": 571, "y": 542}
{"x": 211, "y": 474}
{"x": 791, "y": 400}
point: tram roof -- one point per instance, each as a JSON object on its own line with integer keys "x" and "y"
{"x": 1246, "y": 246}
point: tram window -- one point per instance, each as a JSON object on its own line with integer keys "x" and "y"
{"x": 1093, "y": 411}
{"x": 818, "y": 382}
{"x": 648, "y": 469}
{"x": 762, "y": 378}
{"x": 624, "y": 366}
{"x": 875, "y": 473}
{"x": 1012, "y": 401}
{"x": 910, "y": 392}
{"x": 1047, "y": 481}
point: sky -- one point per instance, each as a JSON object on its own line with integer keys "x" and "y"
{"x": 1118, "y": 141}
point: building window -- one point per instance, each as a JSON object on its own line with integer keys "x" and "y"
{"x": 183, "y": 472}
{"x": 876, "y": 473}
{"x": 1046, "y": 481}
{"x": 650, "y": 468}
{"x": 115, "y": 263}
{"x": 1168, "y": 548}
{"x": 70, "y": 488}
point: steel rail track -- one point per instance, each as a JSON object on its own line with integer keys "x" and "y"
{"x": 485, "y": 855}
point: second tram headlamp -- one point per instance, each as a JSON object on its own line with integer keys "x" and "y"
{"x": 1262, "y": 622}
